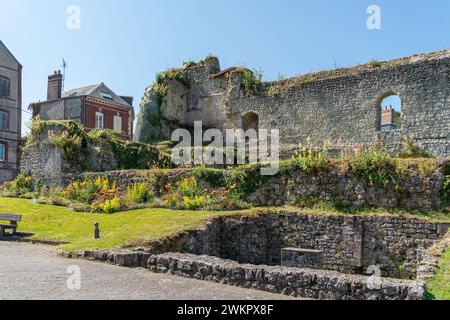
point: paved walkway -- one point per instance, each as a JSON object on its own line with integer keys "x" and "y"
{"x": 38, "y": 273}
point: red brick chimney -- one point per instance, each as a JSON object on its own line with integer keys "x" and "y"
{"x": 55, "y": 82}
{"x": 387, "y": 116}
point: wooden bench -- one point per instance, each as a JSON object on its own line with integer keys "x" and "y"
{"x": 13, "y": 220}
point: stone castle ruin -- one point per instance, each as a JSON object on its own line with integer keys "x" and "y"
{"x": 342, "y": 107}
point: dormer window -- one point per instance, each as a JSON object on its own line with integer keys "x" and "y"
{"x": 107, "y": 96}
{"x": 5, "y": 87}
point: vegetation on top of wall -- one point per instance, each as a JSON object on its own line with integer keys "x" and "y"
{"x": 279, "y": 88}
{"x": 374, "y": 165}
{"x": 214, "y": 189}
{"x": 412, "y": 150}
{"x": 76, "y": 145}
{"x": 192, "y": 63}
{"x": 252, "y": 81}
{"x": 69, "y": 136}
{"x": 178, "y": 74}
{"x": 216, "y": 178}
{"x": 208, "y": 57}
{"x": 189, "y": 64}
{"x": 375, "y": 64}
{"x": 246, "y": 179}
{"x": 131, "y": 155}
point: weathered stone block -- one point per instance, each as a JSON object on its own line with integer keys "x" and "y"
{"x": 301, "y": 258}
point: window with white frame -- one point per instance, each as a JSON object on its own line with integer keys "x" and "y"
{"x": 2, "y": 152}
{"x": 4, "y": 119}
{"x": 99, "y": 121}
{"x": 118, "y": 124}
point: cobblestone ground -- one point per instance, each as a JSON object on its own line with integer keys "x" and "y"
{"x": 38, "y": 273}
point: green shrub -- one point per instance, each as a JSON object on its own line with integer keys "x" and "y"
{"x": 73, "y": 141}
{"x": 22, "y": 184}
{"x": 246, "y": 179}
{"x": 375, "y": 64}
{"x": 252, "y": 80}
{"x": 193, "y": 203}
{"x": 160, "y": 92}
{"x": 131, "y": 155}
{"x": 412, "y": 150}
{"x": 374, "y": 165}
{"x": 310, "y": 159}
{"x": 85, "y": 192}
{"x": 189, "y": 64}
{"x": 139, "y": 193}
{"x": 446, "y": 190}
{"x": 108, "y": 206}
{"x": 97, "y": 136}
{"x": 189, "y": 187}
{"x": 214, "y": 177}
{"x": 177, "y": 74}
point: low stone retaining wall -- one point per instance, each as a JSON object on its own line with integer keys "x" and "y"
{"x": 350, "y": 244}
{"x": 306, "y": 283}
{"x": 413, "y": 192}
{"x": 429, "y": 264}
{"x": 417, "y": 188}
{"x": 384, "y": 240}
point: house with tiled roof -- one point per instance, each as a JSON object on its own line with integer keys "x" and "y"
{"x": 96, "y": 107}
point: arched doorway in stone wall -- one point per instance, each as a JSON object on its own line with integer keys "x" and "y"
{"x": 250, "y": 121}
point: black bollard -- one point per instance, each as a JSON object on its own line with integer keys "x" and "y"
{"x": 96, "y": 231}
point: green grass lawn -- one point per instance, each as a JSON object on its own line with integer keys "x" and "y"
{"x": 123, "y": 229}
{"x": 439, "y": 286}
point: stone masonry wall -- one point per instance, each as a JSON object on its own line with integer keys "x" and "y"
{"x": 344, "y": 188}
{"x": 349, "y": 244}
{"x": 307, "y": 283}
{"x": 342, "y": 106}
{"x": 245, "y": 251}
{"x": 412, "y": 193}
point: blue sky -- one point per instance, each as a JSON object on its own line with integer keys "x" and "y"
{"x": 125, "y": 43}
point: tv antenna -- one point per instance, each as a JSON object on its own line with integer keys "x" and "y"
{"x": 64, "y": 66}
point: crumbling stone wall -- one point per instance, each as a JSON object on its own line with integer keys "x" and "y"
{"x": 350, "y": 244}
{"x": 298, "y": 282}
{"x": 414, "y": 192}
{"x": 307, "y": 283}
{"x": 245, "y": 251}
{"x": 342, "y": 106}
{"x": 47, "y": 161}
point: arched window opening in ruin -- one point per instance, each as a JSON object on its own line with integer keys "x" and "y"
{"x": 250, "y": 121}
{"x": 390, "y": 116}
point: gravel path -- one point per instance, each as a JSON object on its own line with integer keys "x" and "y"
{"x": 37, "y": 273}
